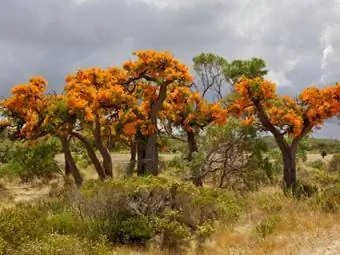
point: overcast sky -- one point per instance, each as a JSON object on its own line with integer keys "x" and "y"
{"x": 297, "y": 38}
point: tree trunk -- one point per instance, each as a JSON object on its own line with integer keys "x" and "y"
{"x": 69, "y": 161}
{"x": 67, "y": 167}
{"x": 151, "y": 152}
{"x": 192, "y": 145}
{"x": 107, "y": 160}
{"x": 289, "y": 167}
{"x": 151, "y": 155}
{"x": 140, "y": 155}
{"x": 92, "y": 154}
{"x": 133, "y": 153}
{"x": 111, "y": 143}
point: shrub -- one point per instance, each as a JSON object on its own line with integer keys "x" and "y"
{"x": 319, "y": 164}
{"x": 230, "y": 157}
{"x": 334, "y": 164}
{"x": 329, "y": 200}
{"x": 32, "y": 162}
{"x": 139, "y": 209}
{"x": 21, "y": 224}
{"x": 272, "y": 203}
{"x": 55, "y": 244}
{"x": 304, "y": 190}
{"x": 267, "y": 226}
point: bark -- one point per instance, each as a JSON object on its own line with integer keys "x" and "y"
{"x": 192, "y": 145}
{"x": 69, "y": 161}
{"x": 140, "y": 155}
{"x": 92, "y": 154}
{"x": 133, "y": 153}
{"x": 289, "y": 167}
{"x": 67, "y": 167}
{"x": 111, "y": 143}
{"x": 151, "y": 153}
{"x": 107, "y": 160}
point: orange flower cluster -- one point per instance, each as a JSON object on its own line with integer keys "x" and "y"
{"x": 157, "y": 66}
{"x": 189, "y": 110}
{"x": 311, "y": 108}
{"x": 27, "y": 103}
{"x": 321, "y": 104}
{"x": 91, "y": 90}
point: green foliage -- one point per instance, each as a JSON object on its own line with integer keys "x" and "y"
{"x": 252, "y": 68}
{"x": 6, "y": 148}
{"x": 329, "y": 200}
{"x": 32, "y": 162}
{"x": 139, "y": 209}
{"x": 304, "y": 190}
{"x": 21, "y": 224}
{"x": 231, "y": 156}
{"x": 272, "y": 203}
{"x": 319, "y": 164}
{"x": 267, "y": 226}
{"x": 334, "y": 164}
{"x": 55, "y": 244}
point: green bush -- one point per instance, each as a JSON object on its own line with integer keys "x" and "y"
{"x": 334, "y": 164}
{"x": 267, "y": 226}
{"x": 55, "y": 244}
{"x": 21, "y": 224}
{"x": 329, "y": 200}
{"x": 272, "y": 203}
{"x": 139, "y": 209}
{"x": 304, "y": 190}
{"x": 32, "y": 162}
{"x": 319, "y": 164}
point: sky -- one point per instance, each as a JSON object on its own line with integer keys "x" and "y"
{"x": 298, "y": 39}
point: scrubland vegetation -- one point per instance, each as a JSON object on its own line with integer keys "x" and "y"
{"x": 146, "y": 159}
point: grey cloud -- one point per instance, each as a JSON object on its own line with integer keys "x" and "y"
{"x": 298, "y": 39}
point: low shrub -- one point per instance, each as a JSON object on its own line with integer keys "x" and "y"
{"x": 137, "y": 210}
{"x": 334, "y": 164}
{"x": 30, "y": 162}
{"x": 267, "y": 226}
{"x": 55, "y": 244}
{"x": 329, "y": 199}
{"x": 319, "y": 164}
{"x": 272, "y": 203}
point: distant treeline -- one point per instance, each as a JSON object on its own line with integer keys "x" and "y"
{"x": 317, "y": 145}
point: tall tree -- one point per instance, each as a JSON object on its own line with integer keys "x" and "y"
{"x": 288, "y": 119}
{"x": 215, "y": 76}
{"x": 95, "y": 96}
{"x": 155, "y": 72}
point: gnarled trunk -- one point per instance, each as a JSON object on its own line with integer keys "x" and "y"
{"x": 67, "y": 167}
{"x": 151, "y": 155}
{"x": 111, "y": 143}
{"x": 140, "y": 140}
{"x": 192, "y": 145}
{"x": 69, "y": 161}
{"x": 92, "y": 154}
{"x": 107, "y": 160}
{"x": 289, "y": 167}
{"x": 133, "y": 154}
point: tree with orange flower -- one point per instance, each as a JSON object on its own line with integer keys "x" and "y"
{"x": 31, "y": 112}
{"x": 288, "y": 119}
{"x": 155, "y": 73}
{"x": 190, "y": 111}
{"x": 97, "y": 98}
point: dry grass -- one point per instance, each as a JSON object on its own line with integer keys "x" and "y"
{"x": 299, "y": 229}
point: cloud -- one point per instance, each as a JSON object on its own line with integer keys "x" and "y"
{"x": 297, "y": 39}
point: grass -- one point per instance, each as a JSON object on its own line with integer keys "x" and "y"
{"x": 270, "y": 222}
{"x": 298, "y": 227}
